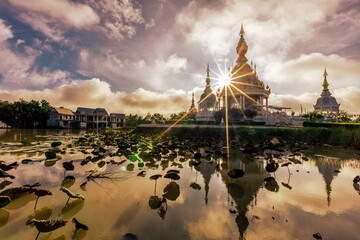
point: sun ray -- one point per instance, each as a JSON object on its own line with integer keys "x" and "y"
{"x": 246, "y": 84}
{"x": 237, "y": 70}
{"x": 187, "y": 113}
{"x": 246, "y": 95}
{"x": 227, "y": 129}
{"x": 244, "y": 75}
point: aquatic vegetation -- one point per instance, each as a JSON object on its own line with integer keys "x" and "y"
{"x": 109, "y": 174}
{"x": 46, "y": 225}
{"x": 25, "y": 141}
{"x": 4, "y": 183}
{"x": 172, "y": 191}
{"x": 15, "y": 190}
{"x": 50, "y": 155}
{"x": 71, "y": 194}
{"x": 126, "y": 156}
{"x": 4, "y": 200}
{"x": 236, "y": 173}
{"x": 79, "y": 225}
{"x": 55, "y": 144}
{"x": 172, "y": 176}
{"x": 8, "y": 167}
{"x": 317, "y": 236}
{"x": 4, "y": 175}
{"x": 68, "y": 166}
{"x": 68, "y": 181}
{"x": 356, "y": 179}
{"x": 40, "y": 193}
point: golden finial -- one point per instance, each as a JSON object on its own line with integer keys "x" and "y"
{"x": 255, "y": 68}
{"x": 325, "y": 83}
{"x": 242, "y": 32}
{"x": 251, "y": 64}
{"x": 208, "y": 76}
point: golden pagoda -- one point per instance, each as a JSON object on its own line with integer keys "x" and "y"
{"x": 326, "y": 102}
{"x": 244, "y": 77}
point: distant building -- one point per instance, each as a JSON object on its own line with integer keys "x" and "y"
{"x": 208, "y": 102}
{"x": 61, "y": 117}
{"x": 117, "y": 120}
{"x": 3, "y": 125}
{"x": 326, "y": 103}
{"x": 192, "y": 109}
{"x": 85, "y": 118}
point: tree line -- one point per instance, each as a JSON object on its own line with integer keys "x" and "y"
{"x": 25, "y": 114}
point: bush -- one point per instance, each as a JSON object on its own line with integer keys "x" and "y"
{"x": 331, "y": 124}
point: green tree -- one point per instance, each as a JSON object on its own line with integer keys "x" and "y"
{"x": 23, "y": 114}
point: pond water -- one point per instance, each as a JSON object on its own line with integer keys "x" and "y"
{"x": 314, "y": 194}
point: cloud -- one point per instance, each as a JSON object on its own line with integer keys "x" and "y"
{"x": 305, "y": 73}
{"x": 96, "y": 93}
{"x": 124, "y": 73}
{"x": 273, "y": 26}
{"x": 5, "y": 31}
{"x": 119, "y": 17}
{"x": 348, "y": 97}
{"x": 150, "y": 24}
{"x": 74, "y": 14}
{"x": 45, "y": 25}
{"x": 15, "y": 67}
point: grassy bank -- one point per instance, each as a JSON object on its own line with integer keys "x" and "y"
{"x": 332, "y": 125}
{"x": 334, "y": 136}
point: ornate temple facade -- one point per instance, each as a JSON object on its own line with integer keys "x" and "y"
{"x": 246, "y": 91}
{"x": 326, "y": 103}
{"x": 249, "y": 91}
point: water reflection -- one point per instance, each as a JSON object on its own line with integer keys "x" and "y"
{"x": 196, "y": 200}
{"x": 329, "y": 170}
{"x": 244, "y": 191}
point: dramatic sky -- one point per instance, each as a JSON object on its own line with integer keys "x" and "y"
{"x": 137, "y": 56}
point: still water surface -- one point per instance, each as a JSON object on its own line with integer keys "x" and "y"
{"x": 315, "y": 196}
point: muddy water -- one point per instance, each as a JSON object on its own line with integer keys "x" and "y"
{"x": 316, "y": 195}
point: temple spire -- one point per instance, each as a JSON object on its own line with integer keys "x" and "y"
{"x": 241, "y": 48}
{"x": 208, "y": 76}
{"x": 242, "y": 32}
{"x": 325, "y": 83}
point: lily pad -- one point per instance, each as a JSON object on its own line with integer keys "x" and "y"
{"x": 172, "y": 191}
{"x": 155, "y": 177}
{"x": 154, "y": 202}
{"x": 130, "y": 167}
{"x": 195, "y": 186}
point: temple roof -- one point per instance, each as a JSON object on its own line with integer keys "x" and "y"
{"x": 244, "y": 76}
{"x": 325, "y": 99}
{"x": 211, "y": 99}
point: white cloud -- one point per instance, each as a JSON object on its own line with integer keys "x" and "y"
{"x": 97, "y": 93}
{"x": 172, "y": 64}
{"x": 5, "y": 31}
{"x": 119, "y": 17}
{"x": 125, "y": 73}
{"x": 150, "y": 24}
{"x": 305, "y": 73}
{"x": 44, "y": 25}
{"x": 272, "y": 26}
{"x": 14, "y": 67}
{"x": 348, "y": 97}
{"x": 74, "y": 14}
